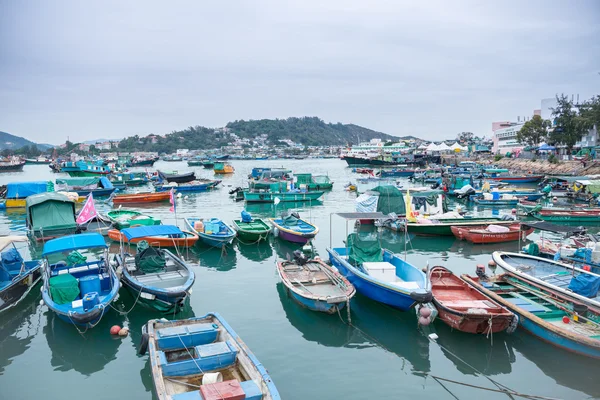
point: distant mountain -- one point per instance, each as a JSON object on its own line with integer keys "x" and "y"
{"x": 12, "y": 142}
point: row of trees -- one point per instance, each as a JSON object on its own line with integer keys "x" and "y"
{"x": 570, "y": 123}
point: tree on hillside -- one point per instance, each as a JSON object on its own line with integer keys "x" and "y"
{"x": 534, "y": 131}
{"x": 569, "y": 125}
{"x": 465, "y": 137}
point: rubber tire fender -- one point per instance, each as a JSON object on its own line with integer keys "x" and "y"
{"x": 144, "y": 342}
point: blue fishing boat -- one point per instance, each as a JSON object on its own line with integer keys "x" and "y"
{"x": 314, "y": 284}
{"x": 377, "y": 273}
{"x": 190, "y": 358}
{"x": 99, "y": 186}
{"x": 396, "y": 172}
{"x": 17, "y": 276}
{"x": 77, "y": 290}
{"x": 157, "y": 277}
{"x": 194, "y": 186}
{"x": 213, "y": 232}
{"x": 554, "y": 318}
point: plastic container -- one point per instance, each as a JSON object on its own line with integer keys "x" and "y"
{"x": 199, "y": 226}
{"x": 89, "y": 284}
{"x": 212, "y": 377}
{"x": 90, "y": 300}
{"x": 495, "y": 194}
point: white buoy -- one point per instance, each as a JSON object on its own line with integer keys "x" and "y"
{"x": 433, "y": 336}
{"x": 212, "y": 377}
{"x": 179, "y": 195}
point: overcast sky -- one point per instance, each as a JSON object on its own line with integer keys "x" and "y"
{"x": 110, "y": 69}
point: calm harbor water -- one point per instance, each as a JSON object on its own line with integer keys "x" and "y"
{"x": 309, "y": 355}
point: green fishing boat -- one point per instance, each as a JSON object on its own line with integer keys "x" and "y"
{"x": 123, "y": 219}
{"x": 313, "y": 182}
{"x": 556, "y": 214}
{"x": 253, "y": 231}
{"x": 443, "y": 227}
{"x": 195, "y": 163}
{"x": 269, "y": 197}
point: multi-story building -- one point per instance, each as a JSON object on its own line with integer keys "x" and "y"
{"x": 504, "y": 138}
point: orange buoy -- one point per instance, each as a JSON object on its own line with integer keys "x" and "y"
{"x": 114, "y": 330}
{"x": 587, "y": 268}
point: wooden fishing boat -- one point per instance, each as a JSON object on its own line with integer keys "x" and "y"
{"x": 491, "y": 233}
{"x": 78, "y": 290}
{"x": 464, "y": 308}
{"x": 156, "y": 277}
{"x": 157, "y": 236}
{"x": 99, "y": 224}
{"x": 177, "y": 178}
{"x": 12, "y": 166}
{"x": 314, "y": 284}
{"x": 379, "y": 274}
{"x": 269, "y": 197}
{"x": 141, "y": 198}
{"x": 294, "y": 229}
{"x": 443, "y": 227}
{"x": 199, "y": 185}
{"x": 212, "y": 232}
{"x": 251, "y": 231}
{"x": 366, "y": 171}
{"x": 187, "y": 356}
{"x": 223, "y": 168}
{"x": 39, "y": 160}
{"x": 17, "y": 276}
{"x": 563, "y": 279}
{"x": 555, "y": 319}
{"x": 50, "y": 215}
{"x": 124, "y": 218}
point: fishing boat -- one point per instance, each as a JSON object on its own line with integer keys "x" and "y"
{"x": 176, "y": 177}
{"x": 366, "y": 171}
{"x": 212, "y": 232}
{"x": 464, "y": 308}
{"x": 141, "y": 198}
{"x": 293, "y": 229}
{"x": 505, "y": 200}
{"x": 570, "y": 241}
{"x": 143, "y": 162}
{"x": 491, "y": 233}
{"x": 156, "y": 277}
{"x": 208, "y": 164}
{"x": 129, "y": 179}
{"x": 556, "y": 319}
{"x": 123, "y": 218}
{"x": 516, "y": 179}
{"x": 11, "y": 166}
{"x": 156, "y": 236}
{"x": 199, "y": 185}
{"x": 556, "y": 214}
{"x": 313, "y": 182}
{"x": 251, "y": 229}
{"x": 98, "y": 224}
{"x": 223, "y": 168}
{"x": 203, "y": 358}
{"x": 195, "y": 163}
{"x": 314, "y": 284}
{"x": 443, "y": 227}
{"x": 379, "y": 274}
{"x": 38, "y": 161}
{"x": 269, "y": 197}
{"x": 17, "y": 276}
{"x": 77, "y": 290}
{"x": 563, "y": 279}
{"x": 99, "y": 186}
{"x": 85, "y": 169}
{"x": 396, "y": 173}
{"x": 17, "y": 192}
{"x": 50, "y": 215}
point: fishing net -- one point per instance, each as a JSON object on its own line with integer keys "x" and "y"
{"x": 363, "y": 250}
{"x": 64, "y": 288}
{"x": 75, "y": 258}
{"x": 149, "y": 260}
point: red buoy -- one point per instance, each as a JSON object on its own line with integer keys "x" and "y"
{"x": 566, "y": 319}
{"x": 114, "y": 330}
{"x": 587, "y": 268}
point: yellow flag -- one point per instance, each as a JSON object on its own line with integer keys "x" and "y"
{"x": 410, "y": 216}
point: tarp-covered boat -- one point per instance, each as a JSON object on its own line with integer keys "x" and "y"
{"x": 17, "y": 192}
{"x": 159, "y": 278}
{"x": 464, "y": 308}
{"x": 314, "y": 284}
{"x": 187, "y": 356}
{"x": 213, "y": 232}
{"x": 17, "y": 276}
{"x": 79, "y": 291}
{"x": 156, "y": 236}
{"x": 99, "y": 186}
{"x": 50, "y": 215}
{"x": 124, "y": 218}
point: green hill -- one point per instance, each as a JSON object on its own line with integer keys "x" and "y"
{"x": 12, "y": 142}
{"x": 308, "y": 131}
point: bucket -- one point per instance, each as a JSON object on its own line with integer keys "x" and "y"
{"x": 212, "y": 377}
{"x": 495, "y": 194}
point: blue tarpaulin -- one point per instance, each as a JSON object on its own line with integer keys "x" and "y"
{"x": 153, "y": 230}
{"x": 21, "y": 190}
{"x": 585, "y": 285}
{"x": 546, "y": 147}
{"x": 74, "y": 242}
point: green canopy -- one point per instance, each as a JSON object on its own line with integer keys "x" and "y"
{"x": 390, "y": 200}
{"x": 303, "y": 179}
{"x": 78, "y": 182}
{"x": 64, "y": 288}
{"x": 362, "y": 250}
{"x": 50, "y": 211}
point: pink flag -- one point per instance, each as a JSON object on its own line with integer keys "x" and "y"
{"x": 172, "y": 200}
{"x": 88, "y": 211}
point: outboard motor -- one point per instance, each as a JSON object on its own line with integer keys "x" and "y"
{"x": 300, "y": 258}
{"x": 480, "y": 272}
{"x": 295, "y": 215}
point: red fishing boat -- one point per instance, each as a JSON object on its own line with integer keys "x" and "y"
{"x": 366, "y": 171}
{"x": 180, "y": 239}
{"x": 464, "y": 308}
{"x": 141, "y": 198}
{"x": 490, "y": 233}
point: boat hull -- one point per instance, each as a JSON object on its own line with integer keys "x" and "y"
{"x": 251, "y": 235}
{"x": 15, "y": 292}
{"x": 141, "y": 198}
{"x": 189, "y": 240}
{"x": 445, "y": 228}
{"x": 269, "y": 197}
{"x": 188, "y": 188}
{"x": 517, "y": 179}
{"x": 166, "y": 303}
{"x": 478, "y": 236}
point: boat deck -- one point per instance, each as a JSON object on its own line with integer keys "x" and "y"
{"x": 173, "y": 275}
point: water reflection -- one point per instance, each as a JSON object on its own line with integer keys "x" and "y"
{"x": 284, "y": 249}
{"x": 19, "y": 326}
{"x": 255, "y": 252}
{"x": 270, "y": 210}
{"x": 224, "y": 259}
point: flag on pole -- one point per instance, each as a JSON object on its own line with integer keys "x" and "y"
{"x": 172, "y": 200}
{"x": 410, "y": 215}
{"x": 88, "y": 212}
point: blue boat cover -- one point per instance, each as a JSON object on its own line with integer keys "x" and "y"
{"x": 585, "y": 285}
{"x": 153, "y": 230}
{"x": 74, "y": 242}
{"x": 106, "y": 183}
{"x": 20, "y": 190}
